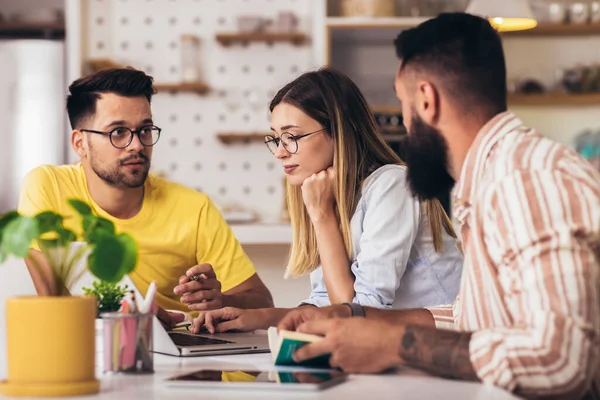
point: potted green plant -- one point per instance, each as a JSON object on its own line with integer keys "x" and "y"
{"x": 108, "y": 295}
{"x": 51, "y": 339}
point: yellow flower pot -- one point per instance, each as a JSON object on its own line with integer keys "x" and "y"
{"x": 50, "y": 346}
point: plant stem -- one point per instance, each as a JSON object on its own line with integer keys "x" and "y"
{"x": 56, "y": 281}
{"x": 73, "y": 259}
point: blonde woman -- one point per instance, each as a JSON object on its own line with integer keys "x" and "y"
{"x": 357, "y": 230}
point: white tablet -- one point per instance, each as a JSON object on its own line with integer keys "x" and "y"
{"x": 298, "y": 380}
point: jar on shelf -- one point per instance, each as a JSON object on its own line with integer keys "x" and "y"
{"x": 190, "y": 58}
{"x": 579, "y": 12}
{"x": 409, "y": 8}
{"x": 595, "y": 12}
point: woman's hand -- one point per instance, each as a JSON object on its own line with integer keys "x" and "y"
{"x": 318, "y": 195}
{"x": 229, "y": 318}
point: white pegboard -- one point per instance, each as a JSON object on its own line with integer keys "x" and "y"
{"x": 146, "y": 34}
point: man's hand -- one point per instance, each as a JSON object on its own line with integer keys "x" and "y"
{"x": 200, "y": 289}
{"x": 168, "y": 319}
{"x": 355, "y": 345}
{"x": 229, "y": 318}
{"x": 302, "y": 314}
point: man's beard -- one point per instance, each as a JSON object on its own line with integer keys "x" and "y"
{"x": 113, "y": 175}
{"x": 426, "y": 156}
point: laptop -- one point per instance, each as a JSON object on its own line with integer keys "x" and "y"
{"x": 182, "y": 343}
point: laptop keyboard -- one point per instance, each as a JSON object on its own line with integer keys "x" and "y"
{"x": 184, "y": 340}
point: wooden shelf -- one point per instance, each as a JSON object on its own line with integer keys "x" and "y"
{"x": 371, "y": 23}
{"x": 543, "y": 29}
{"x": 54, "y": 30}
{"x": 227, "y": 39}
{"x": 555, "y": 99}
{"x": 542, "y": 99}
{"x": 386, "y": 109}
{"x": 237, "y": 137}
{"x": 548, "y": 29}
{"x": 184, "y": 87}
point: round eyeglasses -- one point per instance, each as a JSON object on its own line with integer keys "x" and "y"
{"x": 122, "y": 137}
{"x": 289, "y": 141}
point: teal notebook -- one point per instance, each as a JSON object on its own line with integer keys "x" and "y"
{"x": 283, "y": 344}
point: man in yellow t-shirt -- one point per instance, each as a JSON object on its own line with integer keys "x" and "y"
{"x": 180, "y": 233}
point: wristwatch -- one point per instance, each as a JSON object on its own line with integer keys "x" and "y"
{"x": 356, "y": 309}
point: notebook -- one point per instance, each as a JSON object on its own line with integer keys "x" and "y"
{"x": 284, "y": 343}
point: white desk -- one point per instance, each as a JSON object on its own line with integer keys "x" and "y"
{"x": 404, "y": 385}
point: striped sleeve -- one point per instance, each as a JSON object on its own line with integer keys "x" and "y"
{"x": 541, "y": 229}
{"x": 443, "y": 316}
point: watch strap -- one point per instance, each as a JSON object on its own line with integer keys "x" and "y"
{"x": 356, "y": 309}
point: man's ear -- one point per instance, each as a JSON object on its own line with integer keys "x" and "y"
{"x": 78, "y": 143}
{"x": 427, "y": 102}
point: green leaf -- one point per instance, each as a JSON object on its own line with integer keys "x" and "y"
{"x": 94, "y": 227}
{"x": 66, "y": 235}
{"x": 59, "y": 237}
{"x": 18, "y": 235}
{"x": 113, "y": 257}
{"x": 105, "y": 259}
{"x": 81, "y": 207}
{"x": 48, "y": 221}
{"x": 105, "y": 224}
{"x": 4, "y": 220}
{"x": 131, "y": 253}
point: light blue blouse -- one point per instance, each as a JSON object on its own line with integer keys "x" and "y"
{"x": 394, "y": 263}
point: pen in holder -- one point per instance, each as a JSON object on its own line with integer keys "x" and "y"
{"x": 127, "y": 334}
{"x": 128, "y": 342}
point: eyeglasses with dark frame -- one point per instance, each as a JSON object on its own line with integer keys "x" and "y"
{"x": 289, "y": 141}
{"x": 121, "y": 137}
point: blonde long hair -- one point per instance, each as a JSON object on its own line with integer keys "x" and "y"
{"x": 333, "y": 100}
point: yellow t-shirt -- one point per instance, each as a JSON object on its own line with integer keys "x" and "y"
{"x": 176, "y": 229}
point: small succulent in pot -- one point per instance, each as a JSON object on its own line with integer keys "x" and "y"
{"x": 108, "y": 295}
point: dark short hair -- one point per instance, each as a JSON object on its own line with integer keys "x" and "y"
{"x": 84, "y": 92}
{"x": 464, "y": 52}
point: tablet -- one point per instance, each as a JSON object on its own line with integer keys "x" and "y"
{"x": 298, "y": 380}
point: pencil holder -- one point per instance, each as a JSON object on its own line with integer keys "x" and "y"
{"x": 127, "y": 342}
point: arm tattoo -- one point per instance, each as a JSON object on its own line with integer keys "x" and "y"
{"x": 438, "y": 352}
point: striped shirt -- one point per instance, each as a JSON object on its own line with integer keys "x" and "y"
{"x": 529, "y": 214}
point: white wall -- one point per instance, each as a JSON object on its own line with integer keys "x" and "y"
{"x": 19, "y": 78}
{"x": 7, "y": 69}
{"x": 270, "y": 263}
{"x": 14, "y": 281}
